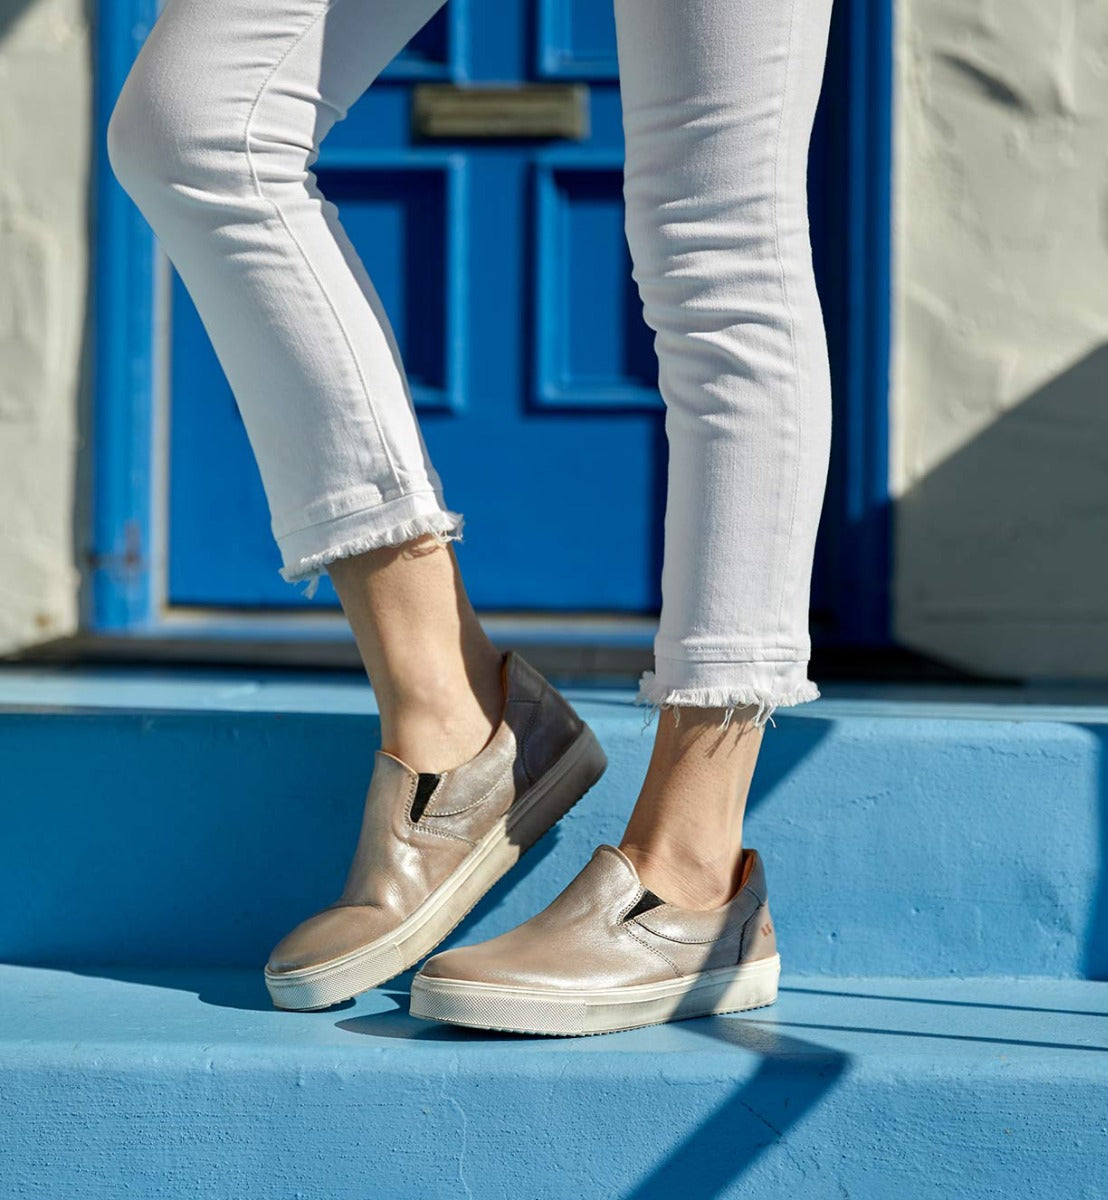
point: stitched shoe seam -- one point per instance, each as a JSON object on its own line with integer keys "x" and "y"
{"x": 685, "y": 941}
{"x": 623, "y": 915}
{"x": 524, "y": 741}
{"x": 654, "y": 950}
{"x": 735, "y": 923}
{"x": 453, "y": 812}
{"x": 439, "y": 833}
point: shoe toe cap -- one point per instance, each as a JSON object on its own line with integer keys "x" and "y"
{"x": 321, "y": 938}
{"x": 499, "y": 961}
{"x": 459, "y": 964}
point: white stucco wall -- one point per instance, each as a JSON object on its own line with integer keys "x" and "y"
{"x": 44, "y": 148}
{"x": 1000, "y": 387}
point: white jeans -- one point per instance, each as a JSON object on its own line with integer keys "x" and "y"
{"x": 214, "y": 135}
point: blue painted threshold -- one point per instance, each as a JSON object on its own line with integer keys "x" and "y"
{"x": 184, "y": 1083}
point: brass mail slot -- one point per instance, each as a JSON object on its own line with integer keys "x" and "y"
{"x": 535, "y": 110}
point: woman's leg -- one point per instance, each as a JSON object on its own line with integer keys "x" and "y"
{"x": 685, "y": 835}
{"x": 718, "y": 102}
{"x": 214, "y": 135}
{"x": 719, "y": 98}
{"x": 435, "y": 673}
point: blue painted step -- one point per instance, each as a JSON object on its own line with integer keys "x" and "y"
{"x": 190, "y": 819}
{"x": 186, "y": 1084}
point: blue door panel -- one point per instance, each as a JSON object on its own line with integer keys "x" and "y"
{"x": 577, "y": 40}
{"x": 428, "y": 55}
{"x": 584, "y": 288}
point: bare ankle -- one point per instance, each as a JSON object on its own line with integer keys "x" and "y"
{"x": 436, "y": 675}
{"x": 426, "y": 743}
{"x": 685, "y": 877}
{"x": 437, "y": 724}
{"x": 685, "y": 833}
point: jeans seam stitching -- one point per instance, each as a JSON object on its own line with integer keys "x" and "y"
{"x": 788, "y": 313}
{"x": 328, "y": 6}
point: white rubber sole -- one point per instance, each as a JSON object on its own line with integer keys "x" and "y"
{"x": 575, "y": 1013}
{"x": 533, "y": 814}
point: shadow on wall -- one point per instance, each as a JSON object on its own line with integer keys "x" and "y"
{"x": 1002, "y": 564}
{"x": 12, "y": 10}
{"x": 1001, "y": 548}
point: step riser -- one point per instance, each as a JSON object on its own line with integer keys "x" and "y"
{"x": 222, "y": 1131}
{"x": 893, "y": 846}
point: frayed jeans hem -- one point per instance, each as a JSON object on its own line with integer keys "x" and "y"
{"x": 729, "y": 686}
{"x": 393, "y": 523}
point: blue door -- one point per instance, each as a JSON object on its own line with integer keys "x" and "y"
{"x": 503, "y": 266}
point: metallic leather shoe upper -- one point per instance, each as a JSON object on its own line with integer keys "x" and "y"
{"x": 605, "y": 930}
{"x": 417, "y": 829}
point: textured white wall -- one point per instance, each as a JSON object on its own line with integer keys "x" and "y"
{"x": 44, "y": 152}
{"x": 1000, "y": 396}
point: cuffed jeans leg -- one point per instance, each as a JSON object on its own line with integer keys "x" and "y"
{"x": 214, "y": 135}
{"x": 719, "y": 98}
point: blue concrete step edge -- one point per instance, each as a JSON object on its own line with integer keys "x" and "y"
{"x": 188, "y": 819}
{"x": 178, "y": 1084}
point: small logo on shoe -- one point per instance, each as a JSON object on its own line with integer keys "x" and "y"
{"x": 767, "y": 929}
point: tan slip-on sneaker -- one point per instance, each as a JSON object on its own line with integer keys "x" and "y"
{"x": 432, "y": 845}
{"x": 608, "y": 954}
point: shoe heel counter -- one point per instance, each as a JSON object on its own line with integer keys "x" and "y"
{"x": 555, "y": 727}
{"x": 759, "y": 938}
{"x": 553, "y": 722}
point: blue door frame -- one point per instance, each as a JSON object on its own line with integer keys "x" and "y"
{"x": 127, "y": 562}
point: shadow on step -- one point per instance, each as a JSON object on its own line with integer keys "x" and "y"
{"x": 793, "y": 1076}
{"x": 243, "y": 990}
{"x": 885, "y": 998}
